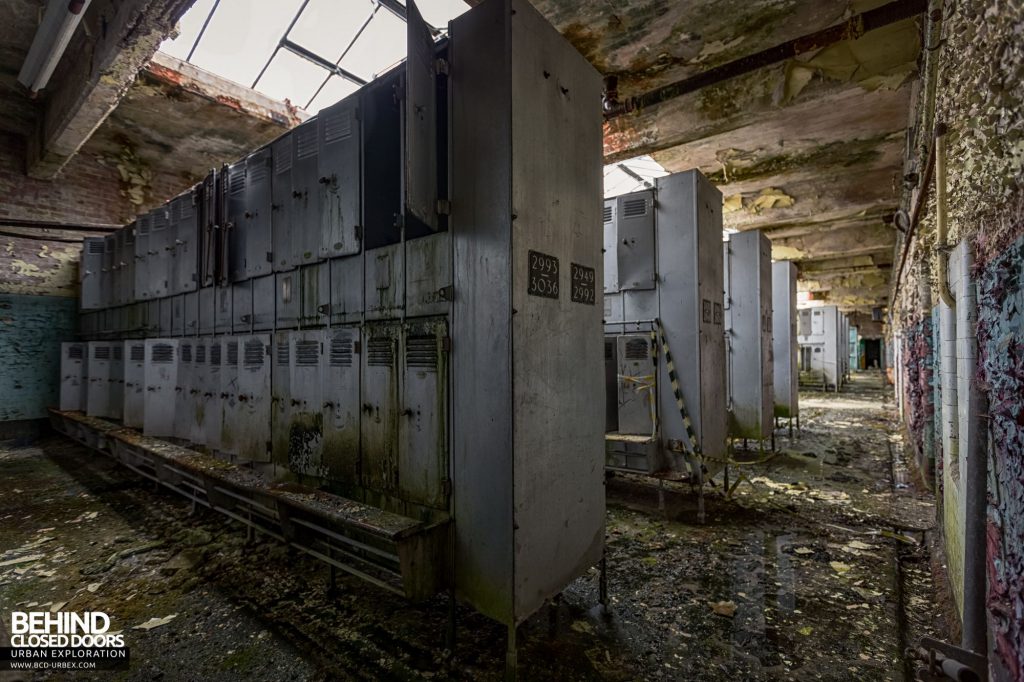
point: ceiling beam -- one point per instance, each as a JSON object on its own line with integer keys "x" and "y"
{"x": 117, "y": 39}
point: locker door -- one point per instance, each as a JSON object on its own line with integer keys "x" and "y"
{"x": 315, "y": 297}
{"x": 236, "y": 223}
{"x": 153, "y": 317}
{"x": 420, "y": 122}
{"x": 263, "y": 296}
{"x": 428, "y": 279}
{"x": 198, "y": 391}
{"x": 143, "y": 283}
{"x": 116, "y": 269}
{"x": 341, "y": 404}
{"x": 97, "y": 403}
{"x": 207, "y": 309}
{"x": 281, "y": 213}
{"x": 287, "y": 299}
{"x": 183, "y": 397}
{"x": 634, "y": 222}
{"x": 186, "y": 244}
{"x": 134, "y": 384}
{"x": 191, "y": 327}
{"x": 115, "y": 384}
{"x": 339, "y": 179}
{"x": 379, "y": 422}
{"x": 178, "y": 315}
{"x": 212, "y": 395}
{"x": 611, "y": 248}
{"x": 128, "y": 265}
{"x": 159, "y": 253}
{"x": 306, "y": 423}
{"x": 385, "y": 282}
{"x": 90, "y": 273}
{"x": 241, "y": 307}
{"x": 206, "y": 220}
{"x": 73, "y": 378}
{"x": 422, "y": 424}
{"x": 109, "y": 272}
{"x": 161, "y": 379}
{"x": 166, "y": 318}
{"x": 253, "y": 413}
{"x": 346, "y": 289}
{"x": 230, "y": 427}
{"x": 257, "y": 214}
{"x": 305, "y": 211}
{"x": 281, "y": 398}
{"x": 636, "y": 385}
{"x": 222, "y": 317}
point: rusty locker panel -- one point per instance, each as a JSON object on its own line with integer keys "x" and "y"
{"x": 281, "y": 398}
{"x": 306, "y": 419}
{"x": 422, "y": 426}
{"x": 341, "y": 406}
{"x": 253, "y": 411}
{"x": 379, "y": 388}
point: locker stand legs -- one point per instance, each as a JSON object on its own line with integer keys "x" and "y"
{"x": 602, "y": 585}
{"x": 511, "y": 659}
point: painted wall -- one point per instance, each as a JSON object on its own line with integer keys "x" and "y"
{"x": 32, "y": 329}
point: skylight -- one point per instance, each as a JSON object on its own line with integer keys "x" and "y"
{"x": 310, "y": 52}
{"x": 631, "y": 175}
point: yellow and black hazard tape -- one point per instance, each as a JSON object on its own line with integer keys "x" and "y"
{"x": 676, "y": 391}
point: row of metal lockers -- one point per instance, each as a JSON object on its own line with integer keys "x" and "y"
{"x": 339, "y": 404}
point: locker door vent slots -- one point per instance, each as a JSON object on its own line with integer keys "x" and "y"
{"x": 421, "y": 351}
{"x": 379, "y": 352}
{"x": 163, "y": 353}
{"x": 341, "y": 351}
{"x": 253, "y": 353}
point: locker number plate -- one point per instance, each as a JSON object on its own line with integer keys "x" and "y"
{"x": 543, "y": 275}
{"x": 583, "y": 279}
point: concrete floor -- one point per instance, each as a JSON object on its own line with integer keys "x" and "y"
{"x": 816, "y": 569}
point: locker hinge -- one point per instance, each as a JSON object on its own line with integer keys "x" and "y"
{"x": 270, "y": 256}
{"x": 444, "y": 207}
{"x": 446, "y": 293}
{"x": 441, "y": 66}
{"x": 357, "y": 347}
{"x": 446, "y": 487}
{"x": 359, "y": 232}
{"x": 446, "y": 344}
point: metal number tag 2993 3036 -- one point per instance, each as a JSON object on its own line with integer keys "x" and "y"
{"x": 543, "y": 275}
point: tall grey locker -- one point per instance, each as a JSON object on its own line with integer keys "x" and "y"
{"x": 236, "y": 237}
{"x": 161, "y": 374}
{"x": 74, "y": 379}
{"x": 117, "y": 292}
{"x": 531, "y": 513}
{"x": 663, "y": 261}
{"x": 184, "y": 409}
{"x": 208, "y": 229}
{"x": 127, "y": 264}
{"x": 820, "y": 347}
{"x": 90, "y": 273}
{"x": 423, "y": 409}
{"x": 283, "y": 201}
{"x": 305, "y": 422}
{"x": 143, "y": 284}
{"x": 115, "y": 382}
{"x": 186, "y": 245}
{"x": 108, "y": 279}
{"x": 134, "y": 383}
{"x": 748, "y": 333}
{"x": 212, "y": 394}
{"x": 229, "y": 425}
{"x": 379, "y": 396}
{"x": 305, "y": 209}
{"x": 256, "y": 216}
{"x": 198, "y": 389}
{"x": 339, "y": 178}
{"x": 252, "y": 416}
{"x": 281, "y": 398}
{"x": 785, "y": 349}
{"x": 341, "y": 403}
{"x": 97, "y": 401}
{"x": 158, "y": 265}
{"x": 347, "y": 289}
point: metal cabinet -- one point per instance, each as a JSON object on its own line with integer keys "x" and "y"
{"x": 90, "y": 273}
{"x": 134, "y": 384}
{"x": 158, "y": 262}
{"x": 339, "y": 179}
{"x": 74, "y": 377}
{"x": 161, "y": 374}
{"x": 256, "y": 216}
{"x": 185, "y": 249}
{"x": 236, "y": 237}
{"x": 637, "y": 401}
{"x": 634, "y": 223}
{"x": 97, "y": 401}
{"x": 252, "y": 415}
{"x": 283, "y": 202}
{"x": 341, "y": 405}
{"x": 784, "y": 339}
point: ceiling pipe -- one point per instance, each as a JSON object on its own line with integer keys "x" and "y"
{"x": 51, "y": 40}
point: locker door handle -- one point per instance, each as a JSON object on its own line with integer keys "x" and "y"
{"x": 329, "y": 405}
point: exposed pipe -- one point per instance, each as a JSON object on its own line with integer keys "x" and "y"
{"x": 975, "y": 632}
{"x": 940, "y": 216}
{"x": 851, "y": 29}
{"x": 51, "y": 40}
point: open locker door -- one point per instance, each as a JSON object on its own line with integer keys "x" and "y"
{"x": 420, "y": 121}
